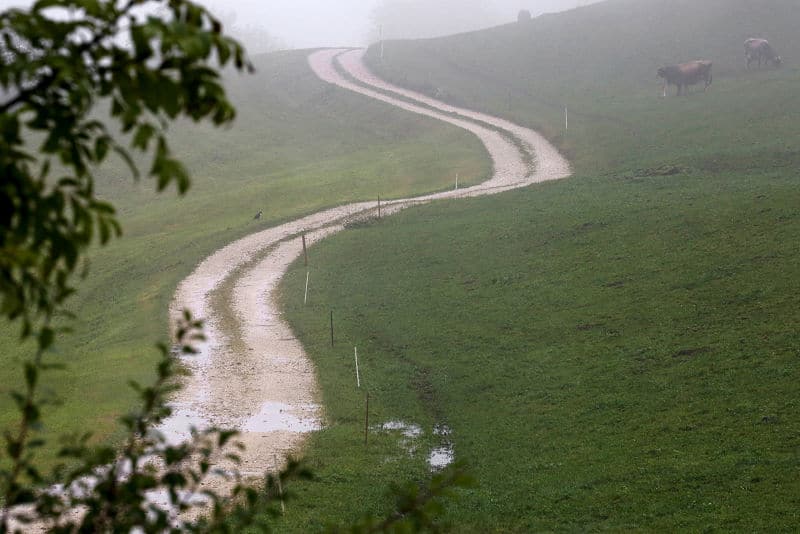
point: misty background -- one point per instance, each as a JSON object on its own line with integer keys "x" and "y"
{"x": 266, "y": 25}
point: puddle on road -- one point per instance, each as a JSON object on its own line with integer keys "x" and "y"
{"x": 275, "y": 416}
{"x": 177, "y": 427}
{"x": 272, "y": 417}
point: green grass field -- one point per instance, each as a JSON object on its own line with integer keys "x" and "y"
{"x": 616, "y": 351}
{"x": 298, "y": 145}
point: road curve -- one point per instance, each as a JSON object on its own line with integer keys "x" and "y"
{"x": 254, "y": 375}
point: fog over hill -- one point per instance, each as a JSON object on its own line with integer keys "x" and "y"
{"x": 268, "y": 24}
{"x": 411, "y": 19}
{"x": 312, "y": 23}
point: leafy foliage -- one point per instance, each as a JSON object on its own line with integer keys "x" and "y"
{"x": 417, "y": 508}
{"x": 59, "y": 60}
{"x": 151, "y": 485}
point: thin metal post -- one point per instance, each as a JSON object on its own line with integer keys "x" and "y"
{"x": 366, "y": 422}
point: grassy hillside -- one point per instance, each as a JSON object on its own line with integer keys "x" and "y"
{"x": 297, "y": 145}
{"x": 616, "y": 351}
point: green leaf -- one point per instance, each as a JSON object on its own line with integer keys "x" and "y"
{"x": 101, "y": 146}
{"x": 127, "y": 159}
{"x": 144, "y": 133}
{"x": 31, "y": 375}
{"x": 45, "y": 338}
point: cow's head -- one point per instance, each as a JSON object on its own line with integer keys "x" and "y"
{"x": 777, "y": 61}
{"x": 662, "y": 72}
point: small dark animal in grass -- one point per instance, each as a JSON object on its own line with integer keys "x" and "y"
{"x": 258, "y": 216}
{"x": 686, "y": 74}
{"x": 523, "y": 15}
{"x": 760, "y": 50}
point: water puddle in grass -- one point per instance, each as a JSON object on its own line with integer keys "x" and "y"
{"x": 274, "y": 416}
{"x": 409, "y": 430}
{"x": 441, "y": 430}
{"x": 441, "y": 456}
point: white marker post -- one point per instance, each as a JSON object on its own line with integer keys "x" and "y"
{"x": 305, "y": 297}
{"x": 456, "y": 180}
{"x": 566, "y": 118}
{"x": 381, "y": 39}
{"x": 358, "y": 377}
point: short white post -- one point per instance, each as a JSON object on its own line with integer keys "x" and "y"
{"x": 566, "y": 118}
{"x": 358, "y": 377}
{"x": 305, "y": 297}
{"x": 456, "y": 180}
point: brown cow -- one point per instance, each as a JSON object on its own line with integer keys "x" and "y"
{"x": 760, "y": 50}
{"x": 686, "y": 74}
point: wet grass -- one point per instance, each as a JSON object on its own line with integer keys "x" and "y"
{"x": 623, "y": 359}
{"x": 297, "y": 146}
{"x": 615, "y": 351}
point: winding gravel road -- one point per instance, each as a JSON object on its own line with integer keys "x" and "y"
{"x": 254, "y": 375}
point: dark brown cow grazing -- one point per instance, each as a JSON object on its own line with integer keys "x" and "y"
{"x": 760, "y": 50}
{"x": 686, "y": 74}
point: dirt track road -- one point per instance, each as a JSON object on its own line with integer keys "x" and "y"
{"x": 254, "y": 375}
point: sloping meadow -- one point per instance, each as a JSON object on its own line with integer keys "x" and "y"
{"x": 614, "y": 351}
